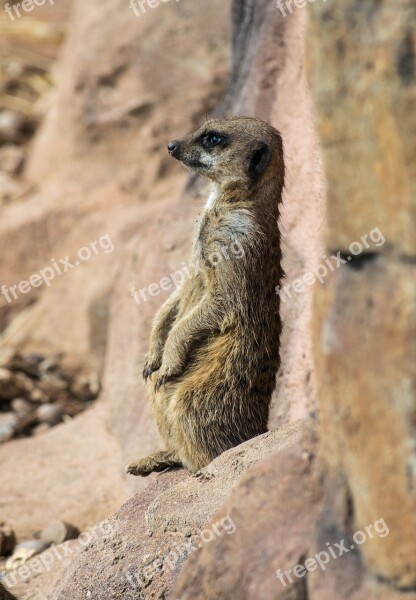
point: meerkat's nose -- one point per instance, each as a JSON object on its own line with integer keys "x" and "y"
{"x": 173, "y": 147}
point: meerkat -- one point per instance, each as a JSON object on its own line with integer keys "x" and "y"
{"x": 214, "y": 347}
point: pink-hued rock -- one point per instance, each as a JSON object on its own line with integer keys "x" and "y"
{"x": 273, "y": 511}
{"x": 362, "y": 72}
{"x": 151, "y": 533}
{"x": 72, "y": 472}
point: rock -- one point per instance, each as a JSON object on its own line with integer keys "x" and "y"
{"x": 365, "y": 321}
{"x": 58, "y": 532}
{"x": 375, "y": 167}
{"x": 285, "y": 545}
{"x": 142, "y": 206}
{"x": 38, "y": 396}
{"x": 7, "y": 539}
{"x": 11, "y": 159}
{"x": 271, "y": 532}
{"x": 53, "y": 386}
{"x": 11, "y": 126}
{"x": 80, "y": 325}
{"x": 361, "y": 439}
{"x": 40, "y": 574}
{"x": 49, "y": 392}
{"x": 27, "y": 363}
{"x": 49, "y": 413}
{"x": 25, "y": 384}
{"x": 23, "y": 552}
{"x": 8, "y": 388}
{"x": 73, "y": 470}
{"x": 13, "y": 385}
{"x": 152, "y": 531}
{"x": 86, "y": 388}
{"x": 8, "y": 426}
{"x": 22, "y": 407}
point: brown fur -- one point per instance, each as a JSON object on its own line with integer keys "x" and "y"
{"x": 214, "y": 346}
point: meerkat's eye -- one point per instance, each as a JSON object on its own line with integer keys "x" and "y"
{"x": 213, "y": 138}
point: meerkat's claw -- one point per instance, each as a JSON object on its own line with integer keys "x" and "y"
{"x": 147, "y": 372}
{"x": 150, "y": 366}
{"x": 161, "y": 381}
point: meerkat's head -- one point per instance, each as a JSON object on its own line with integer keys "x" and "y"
{"x": 241, "y": 149}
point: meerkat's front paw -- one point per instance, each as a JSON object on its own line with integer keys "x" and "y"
{"x": 166, "y": 374}
{"x": 140, "y": 468}
{"x": 156, "y": 462}
{"x": 152, "y": 363}
{"x": 162, "y": 379}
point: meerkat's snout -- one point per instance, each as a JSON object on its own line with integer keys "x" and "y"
{"x": 190, "y": 152}
{"x": 173, "y": 147}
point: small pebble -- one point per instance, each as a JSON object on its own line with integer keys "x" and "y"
{"x": 11, "y": 125}
{"x": 23, "y": 552}
{"x": 53, "y": 386}
{"x": 38, "y": 396}
{"x": 5, "y": 375}
{"x": 22, "y": 407}
{"x": 58, "y": 532}
{"x": 8, "y": 426}
{"x": 8, "y": 388}
{"x": 50, "y": 414}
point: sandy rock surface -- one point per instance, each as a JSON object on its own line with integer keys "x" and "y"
{"x": 156, "y": 529}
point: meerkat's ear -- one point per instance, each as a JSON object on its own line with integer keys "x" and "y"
{"x": 259, "y": 160}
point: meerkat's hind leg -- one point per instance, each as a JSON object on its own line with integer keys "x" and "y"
{"x": 156, "y": 462}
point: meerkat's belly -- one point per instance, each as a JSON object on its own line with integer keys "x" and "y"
{"x": 193, "y": 291}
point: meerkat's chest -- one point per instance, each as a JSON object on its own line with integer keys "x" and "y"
{"x": 210, "y": 232}
{"x": 219, "y": 227}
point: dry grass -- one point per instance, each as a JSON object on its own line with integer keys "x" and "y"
{"x": 31, "y": 29}
{"x": 25, "y": 80}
